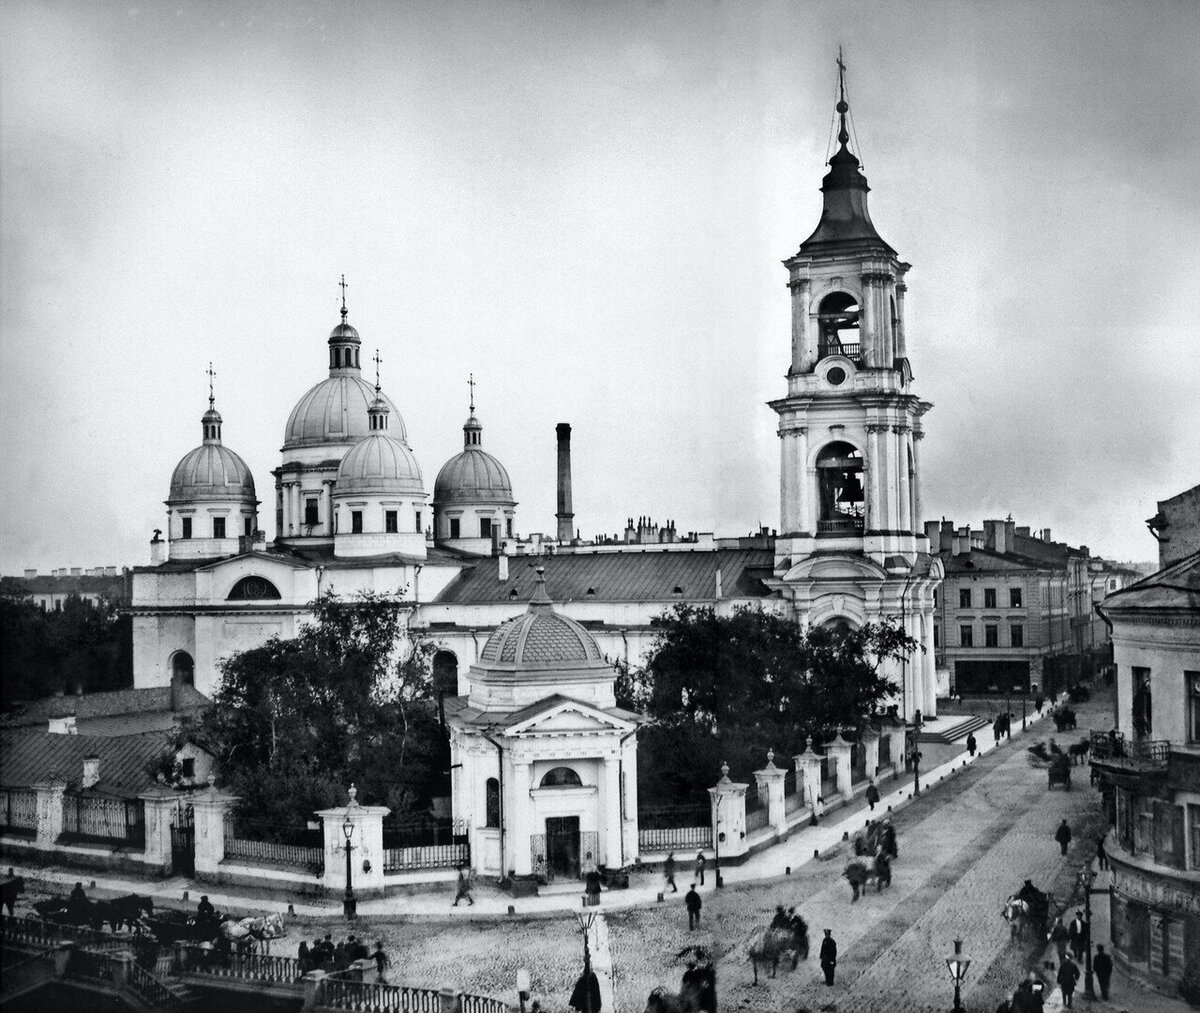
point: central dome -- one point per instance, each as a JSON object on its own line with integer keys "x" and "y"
{"x": 335, "y": 411}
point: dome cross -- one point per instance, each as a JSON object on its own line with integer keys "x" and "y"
{"x": 377, "y": 360}
{"x": 342, "y": 285}
{"x": 211, "y": 374}
{"x": 471, "y": 384}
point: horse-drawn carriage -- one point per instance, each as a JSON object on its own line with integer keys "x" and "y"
{"x": 1064, "y": 719}
{"x": 126, "y": 912}
{"x": 1028, "y": 913}
{"x": 614, "y": 879}
{"x": 1060, "y": 771}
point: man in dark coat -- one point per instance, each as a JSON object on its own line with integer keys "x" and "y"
{"x": 1063, "y": 835}
{"x": 692, "y": 902}
{"x": 1101, "y": 854}
{"x": 872, "y": 795}
{"x": 828, "y": 956}
{"x": 1103, "y": 966}
{"x": 78, "y": 903}
{"x": 1059, "y": 936}
{"x": 1068, "y": 976}
{"x": 669, "y": 874}
{"x": 586, "y": 995}
{"x": 972, "y": 745}
{"x": 701, "y": 862}
{"x": 1078, "y": 933}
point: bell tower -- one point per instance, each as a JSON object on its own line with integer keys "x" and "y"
{"x": 851, "y": 546}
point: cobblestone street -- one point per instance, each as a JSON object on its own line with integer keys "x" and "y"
{"x": 963, "y": 850}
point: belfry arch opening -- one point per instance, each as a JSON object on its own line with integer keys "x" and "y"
{"x": 840, "y": 490}
{"x": 838, "y": 326}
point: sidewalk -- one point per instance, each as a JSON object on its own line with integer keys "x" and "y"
{"x": 490, "y": 903}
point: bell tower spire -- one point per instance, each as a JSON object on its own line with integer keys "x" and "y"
{"x": 210, "y": 422}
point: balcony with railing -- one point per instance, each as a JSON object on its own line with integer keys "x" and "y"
{"x": 850, "y": 351}
{"x": 845, "y": 526}
{"x": 1113, "y": 753}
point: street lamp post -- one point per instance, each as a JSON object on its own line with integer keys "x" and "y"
{"x": 915, "y": 756}
{"x": 349, "y": 904}
{"x": 1087, "y": 877}
{"x": 957, "y": 965}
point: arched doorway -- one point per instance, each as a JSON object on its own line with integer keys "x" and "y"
{"x": 445, "y": 673}
{"x": 183, "y": 669}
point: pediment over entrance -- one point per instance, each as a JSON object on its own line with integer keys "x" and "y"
{"x": 835, "y": 567}
{"x": 560, "y": 715}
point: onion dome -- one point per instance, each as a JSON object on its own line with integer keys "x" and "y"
{"x": 541, "y": 639}
{"x": 379, "y": 463}
{"x": 474, "y": 476}
{"x": 335, "y": 410}
{"x": 212, "y": 471}
{"x": 844, "y": 218}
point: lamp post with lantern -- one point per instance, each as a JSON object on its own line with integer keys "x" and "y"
{"x": 1087, "y": 876}
{"x": 957, "y": 965}
{"x": 349, "y": 904}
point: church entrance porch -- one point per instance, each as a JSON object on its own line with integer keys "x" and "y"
{"x": 563, "y": 852}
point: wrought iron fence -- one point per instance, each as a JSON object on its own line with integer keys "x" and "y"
{"x": 246, "y": 966}
{"x": 756, "y": 819}
{"x": 290, "y": 856}
{"x": 20, "y": 809}
{"x": 1113, "y": 749}
{"x": 425, "y": 833}
{"x": 482, "y": 1004}
{"x": 340, "y": 993}
{"x": 440, "y": 856}
{"x": 670, "y": 828}
{"x": 793, "y": 797}
{"x": 97, "y": 818}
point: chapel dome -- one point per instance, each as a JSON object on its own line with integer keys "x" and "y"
{"x": 211, "y": 472}
{"x": 379, "y": 464}
{"x": 473, "y": 476}
{"x": 335, "y": 411}
{"x": 540, "y": 639}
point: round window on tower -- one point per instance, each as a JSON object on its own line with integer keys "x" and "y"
{"x": 836, "y": 376}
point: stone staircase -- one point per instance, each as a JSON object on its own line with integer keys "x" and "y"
{"x": 956, "y": 727}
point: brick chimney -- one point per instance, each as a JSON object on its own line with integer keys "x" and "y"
{"x": 91, "y": 772}
{"x": 565, "y": 515}
{"x": 502, "y": 567}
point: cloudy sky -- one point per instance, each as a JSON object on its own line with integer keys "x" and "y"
{"x": 586, "y": 204}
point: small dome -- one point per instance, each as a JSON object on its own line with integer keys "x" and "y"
{"x": 540, "y": 638}
{"x": 344, "y": 332}
{"x": 211, "y": 472}
{"x": 335, "y": 411}
{"x": 474, "y": 476}
{"x": 379, "y": 464}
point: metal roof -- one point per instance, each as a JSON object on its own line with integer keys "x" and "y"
{"x": 121, "y": 703}
{"x": 1175, "y": 588}
{"x": 27, "y": 758}
{"x": 632, "y": 576}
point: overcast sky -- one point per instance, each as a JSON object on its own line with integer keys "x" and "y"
{"x": 586, "y": 204}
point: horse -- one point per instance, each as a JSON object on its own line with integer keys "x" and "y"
{"x": 125, "y": 910}
{"x": 767, "y": 945}
{"x": 859, "y": 874}
{"x": 247, "y": 933}
{"x": 10, "y": 890}
{"x": 1079, "y": 751}
{"x": 1025, "y": 917}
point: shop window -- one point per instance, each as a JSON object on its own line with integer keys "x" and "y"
{"x": 991, "y": 635}
{"x": 187, "y": 528}
{"x": 1014, "y": 597}
{"x": 1168, "y": 834}
{"x": 964, "y": 598}
{"x": 966, "y": 636}
{"x": 391, "y": 522}
{"x": 356, "y": 522}
{"x": 1192, "y": 679}
{"x": 218, "y": 527}
{"x": 989, "y": 597}
{"x": 1016, "y": 635}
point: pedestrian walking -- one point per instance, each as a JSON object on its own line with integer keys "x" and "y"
{"x": 692, "y": 902}
{"x": 872, "y": 795}
{"x": 463, "y": 888}
{"x": 828, "y": 956}
{"x": 1059, "y": 936}
{"x": 1078, "y": 933}
{"x": 1039, "y": 702}
{"x": 591, "y": 888}
{"x": 669, "y": 874}
{"x": 1103, "y": 966}
{"x": 1101, "y": 854}
{"x": 700, "y": 864}
{"x": 972, "y": 745}
{"x": 381, "y": 962}
{"x": 1068, "y": 976}
{"x": 1063, "y": 836}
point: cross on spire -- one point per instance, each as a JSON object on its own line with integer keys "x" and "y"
{"x": 342, "y": 284}
{"x": 471, "y": 384}
{"x": 378, "y": 360}
{"x": 842, "y": 106}
{"x": 211, "y": 374}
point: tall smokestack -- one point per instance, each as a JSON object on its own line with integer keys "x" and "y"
{"x": 566, "y": 517}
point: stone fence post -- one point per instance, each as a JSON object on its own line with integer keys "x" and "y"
{"x": 49, "y": 811}
{"x": 770, "y": 783}
{"x": 728, "y": 801}
{"x": 210, "y": 806}
{"x": 870, "y": 741}
{"x": 839, "y": 749}
{"x": 366, "y": 842}
{"x": 161, "y": 804}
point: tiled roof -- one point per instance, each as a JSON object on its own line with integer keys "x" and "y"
{"x": 1175, "y": 588}
{"x": 540, "y": 637}
{"x": 461, "y": 711}
{"x": 28, "y": 757}
{"x": 618, "y": 576}
{"x": 128, "y": 703}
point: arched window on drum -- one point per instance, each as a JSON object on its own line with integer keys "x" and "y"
{"x": 840, "y": 490}
{"x": 561, "y": 777}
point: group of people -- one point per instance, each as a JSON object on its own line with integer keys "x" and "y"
{"x": 669, "y": 871}
{"x": 326, "y": 955}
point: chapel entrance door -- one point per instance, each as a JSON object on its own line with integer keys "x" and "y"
{"x": 562, "y": 847}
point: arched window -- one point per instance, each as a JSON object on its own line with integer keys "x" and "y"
{"x": 183, "y": 669}
{"x": 561, "y": 777}
{"x": 837, "y": 321}
{"x": 445, "y": 673}
{"x": 492, "y": 804}
{"x": 253, "y": 589}
{"x": 839, "y": 479}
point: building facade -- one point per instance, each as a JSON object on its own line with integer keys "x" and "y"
{"x": 1149, "y": 770}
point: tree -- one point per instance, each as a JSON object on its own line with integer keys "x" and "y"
{"x": 733, "y": 686}
{"x": 349, "y": 699}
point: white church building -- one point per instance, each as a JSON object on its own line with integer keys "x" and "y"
{"x": 528, "y": 684}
